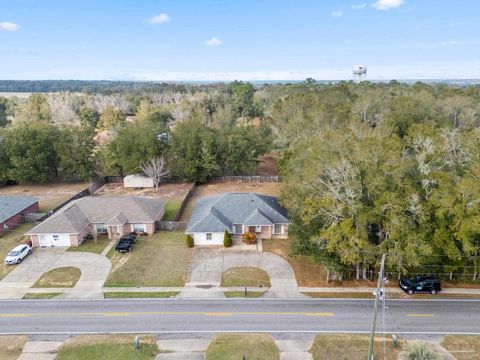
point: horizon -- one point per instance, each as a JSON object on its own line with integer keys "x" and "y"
{"x": 215, "y": 41}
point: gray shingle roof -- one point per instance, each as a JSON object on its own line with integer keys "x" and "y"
{"x": 219, "y": 213}
{"x": 12, "y": 205}
{"x": 73, "y": 217}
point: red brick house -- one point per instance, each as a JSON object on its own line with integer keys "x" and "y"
{"x": 13, "y": 210}
{"x": 114, "y": 216}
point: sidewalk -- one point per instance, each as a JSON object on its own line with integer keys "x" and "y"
{"x": 216, "y": 289}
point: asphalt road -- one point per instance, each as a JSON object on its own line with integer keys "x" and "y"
{"x": 236, "y": 315}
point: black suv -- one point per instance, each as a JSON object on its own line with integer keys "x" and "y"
{"x": 125, "y": 243}
{"x": 422, "y": 283}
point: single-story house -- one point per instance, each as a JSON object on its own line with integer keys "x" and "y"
{"x": 137, "y": 181}
{"x": 237, "y": 213}
{"x": 114, "y": 216}
{"x": 13, "y": 210}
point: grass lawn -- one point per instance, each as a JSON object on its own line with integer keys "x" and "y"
{"x": 108, "y": 347}
{"x": 350, "y": 347}
{"x": 40, "y": 296}
{"x": 241, "y": 294}
{"x": 249, "y": 276}
{"x": 161, "y": 259}
{"x": 11, "y": 346}
{"x": 463, "y": 347}
{"x": 309, "y": 273}
{"x": 234, "y": 346}
{"x": 171, "y": 209}
{"x": 91, "y": 246}
{"x": 8, "y": 241}
{"x": 138, "y": 295}
{"x": 61, "y": 277}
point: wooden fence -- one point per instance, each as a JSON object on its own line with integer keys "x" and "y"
{"x": 249, "y": 178}
{"x": 171, "y": 225}
{"x": 185, "y": 201}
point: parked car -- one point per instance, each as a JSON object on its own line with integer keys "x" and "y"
{"x": 422, "y": 283}
{"x": 125, "y": 243}
{"x": 18, "y": 254}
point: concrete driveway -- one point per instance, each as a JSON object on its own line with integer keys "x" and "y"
{"x": 94, "y": 271}
{"x": 208, "y": 264}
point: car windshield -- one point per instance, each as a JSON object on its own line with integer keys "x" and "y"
{"x": 13, "y": 253}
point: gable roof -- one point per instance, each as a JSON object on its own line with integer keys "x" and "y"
{"x": 116, "y": 210}
{"x": 12, "y": 205}
{"x": 218, "y": 213}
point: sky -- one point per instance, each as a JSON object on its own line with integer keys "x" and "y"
{"x": 239, "y": 39}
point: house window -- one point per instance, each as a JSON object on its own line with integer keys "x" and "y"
{"x": 55, "y": 237}
{"x": 138, "y": 228}
{"x": 101, "y": 228}
{"x": 278, "y": 229}
{"x": 237, "y": 229}
{"x": 209, "y": 236}
{"x": 258, "y": 229}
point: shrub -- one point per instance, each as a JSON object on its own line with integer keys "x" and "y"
{"x": 88, "y": 237}
{"x": 249, "y": 238}
{"x": 189, "y": 241}
{"x": 418, "y": 351}
{"x": 227, "y": 239}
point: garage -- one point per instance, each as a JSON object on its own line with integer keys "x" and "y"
{"x": 54, "y": 240}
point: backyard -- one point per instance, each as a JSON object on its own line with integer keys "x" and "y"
{"x": 50, "y": 195}
{"x": 161, "y": 259}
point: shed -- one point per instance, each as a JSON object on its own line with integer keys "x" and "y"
{"x": 137, "y": 181}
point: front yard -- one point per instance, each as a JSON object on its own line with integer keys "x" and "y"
{"x": 245, "y": 276}
{"x": 11, "y": 346}
{"x": 160, "y": 260}
{"x": 59, "y": 278}
{"x": 8, "y": 241}
{"x": 108, "y": 347}
{"x": 235, "y": 346}
{"x": 92, "y": 246}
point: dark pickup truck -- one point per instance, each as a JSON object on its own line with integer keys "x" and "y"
{"x": 125, "y": 243}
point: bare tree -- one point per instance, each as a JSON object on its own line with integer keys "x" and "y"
{"x": 156, "y": 169}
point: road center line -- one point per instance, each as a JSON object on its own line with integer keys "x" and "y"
{"x": 420, "y": 315}
{"x": 175, "y": 313}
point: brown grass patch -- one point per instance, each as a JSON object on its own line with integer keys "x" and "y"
{"x": 245, "y": 276}
{"x": 50, "y": 194}
{"x": 58, "y": 278}
{"x": 463, "y": 347}
{"x": 11, "y": 346}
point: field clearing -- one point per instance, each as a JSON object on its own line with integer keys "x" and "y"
{"x": 218, "y": 187}
{"x": 50, "y": 194}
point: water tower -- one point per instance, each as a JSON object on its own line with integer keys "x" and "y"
{"x": 359, "y": 73}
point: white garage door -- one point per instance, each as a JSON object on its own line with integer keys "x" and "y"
{"x": 215, "y": 238}
{"x": 55, "y": 240}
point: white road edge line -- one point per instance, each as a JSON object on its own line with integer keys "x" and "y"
{"x": 240, "y": 331}
{"x": 237, "y": 299}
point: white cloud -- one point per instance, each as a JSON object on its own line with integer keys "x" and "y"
{"x": 387, "y": 4}
{"x": 359, "y": 6}
{"x": 159, "y": 19}
{"x": 8, "y": 26}
{"x": 213, "y": 42}
{"x": 336, "y": 13}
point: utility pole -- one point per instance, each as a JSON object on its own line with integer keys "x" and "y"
{"x": 375, "y": 308}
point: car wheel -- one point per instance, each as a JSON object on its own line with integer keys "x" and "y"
{"x": 410, "y": 292}
{"x": 19, "y": 261}
{"x": 433, "y": 291}
{"x": 29, "y": 252}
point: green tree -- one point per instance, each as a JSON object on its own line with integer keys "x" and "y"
{"x": 35, "y": 109}
{"x": 227, "y": 239}
{"x": 3, "y": 112}
{"x": 242, "y": 93}
{"x": 31, "y": 150}
{"x": 75, "y": 149}
{"x": 110, "y": 118}
{"x": 89, "y": 117}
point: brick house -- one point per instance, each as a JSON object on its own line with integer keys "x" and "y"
{"x": 237, "y": 213}
{"x": 13, "y": 210}
{"x": 113, "y": 216}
